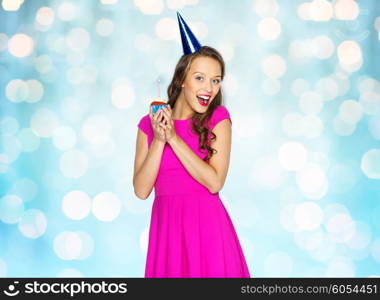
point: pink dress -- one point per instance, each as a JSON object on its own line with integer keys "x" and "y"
{"x": 191, "y": 233}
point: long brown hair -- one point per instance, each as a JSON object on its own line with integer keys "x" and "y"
{"x": 199, "y": 121}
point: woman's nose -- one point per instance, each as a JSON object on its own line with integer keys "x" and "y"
{"x": 208, "y": 86}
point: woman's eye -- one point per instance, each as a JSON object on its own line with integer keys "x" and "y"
{"x": 217, "y": 81}
{"x": 198, "y": 77}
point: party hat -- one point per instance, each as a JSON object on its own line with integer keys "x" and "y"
{"x": 190, "y": 43}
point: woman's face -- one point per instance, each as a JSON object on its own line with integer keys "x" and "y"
{"x": 202, "y": 83}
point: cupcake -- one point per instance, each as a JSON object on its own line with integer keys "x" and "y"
{"x": 157, "y": 104}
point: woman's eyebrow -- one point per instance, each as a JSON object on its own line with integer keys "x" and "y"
{"x": 204, "y": 74}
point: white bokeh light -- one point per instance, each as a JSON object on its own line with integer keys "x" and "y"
{"x": 20, "y": 45}
{"x": 370, "y": 163}
{"x": 269, "y": 29}
{"x": 28, "y": 139}
{"x": 73, "y": 163}
{"x": 106, "y": 206}
{"x": 312, "y": 181}
{"x": 341, "y": 228}
{"x": 308, "y": 216}
{"x": 350, "y": 111}
{"x": 104, "y": 27}
{"x": 64, "y": 138}
{"x": 11, "y": 209}
{"x": 150, "y": 7}
{"x": 43, "y": 122}
{"x": 267, "y": 173}
{"x": 292, "y": 156}
{"x": 97, "y": 129}
{"x": 76, "y": 205}
{"x": 311, "y": 103}
{"x": 78, "y": 39}
{"x": 274, "y": 66}
{"x": 33, "y": 223}
{"x": 123, "y": 95}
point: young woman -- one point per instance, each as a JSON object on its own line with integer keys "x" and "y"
{"x": 184, "y": 152}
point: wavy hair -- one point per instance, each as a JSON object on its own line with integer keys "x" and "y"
{"x": 199, "y": 122}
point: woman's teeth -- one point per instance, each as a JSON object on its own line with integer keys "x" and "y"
{"x": 203, "y": 100}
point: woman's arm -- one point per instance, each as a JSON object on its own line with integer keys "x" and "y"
{"x": 147, "y": 163}
{"x": 212, "y": 175}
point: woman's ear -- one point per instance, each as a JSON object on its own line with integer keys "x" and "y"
{"x": 182, "y": 85}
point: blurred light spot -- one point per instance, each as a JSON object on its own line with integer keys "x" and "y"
{"x": 45, "y": 16}
{"x": 76, "y": 205}
{"x": 278, "y": 264}
{"x": 266, "y": 8}
{"x": 9, "y": 126}
{"x": 312, "y": 126}
{"x": 64, "y": 138}
{"x": 375, "y": 250}
{"x": 67, "y": 11}
{"x": 324, "y": 251}
{"x": 143, "y": 42}
{"x": 11, "y": 209}
{"x": 69, "y": 272}
{"x": 346, "y": 10}
{"x": 74, "y": 58}
{"x": 17, "y": 90}
{"x": 33, "y": 223}
{"x": 227, "y": 51}
{"x": 78, "y": 39}
{"x": 370, "y": 102}
{"x": 43, "y": 122}
{"x": 28, "y": 140}
{"x": 236, "y": 33}
{"x": 43, "y": 63}
{"x": 166, "y": 29}
{"x": 12, "y": 5}
{"x": 73, "y": 245}
{"x": 271, "y": 86}
{"x": 350, "y": 56}
{"x": 308, "y": 216}
{"x": 25, "y": 188}
{"x": 292, "y": 156}
{"x": 292, "y": 124}
{"x": 309, "y": 240}
{"x": 20, "y": 45}
{"x": 269, "y": 29}
{"x": 370, "y": 163}
{"x": 342, "y": 82}
{"x": 104, "y": 27}
{"x": 342, "y": 127}
{"x": 73, "y": 108}
{"x": 340, "y": 267}
{"x": 374, "y": 127}
{"x": 323, "y": 47}
{"x": 3, "y": 41}
{"x": 150, "y": 7}
{"x": 200, "y": 29}
{"x": 10, "y": 146}
{"x": 368, "y": 84}
{"x": 376, "y": 24}
{"x": 267, "y": 173}
{"x": 340, "y": 227}
{"x": 327, "y": 87}
{"x": 300, "y": 86}
{"x": 123, "y": 95}
{"x": 320, "y": 10}
{"x": 310, "y": 103}
{"x": 175, "y": 4}
{"x": 274, "y": 66}
{"x": 35, "y": 91}
{"x": 97, "y": 129}
{"x": 350, "y": 111}
{"x": 300, "y": 49}
{"x": 312, "y": 181}
{"x": 249, "y": 126}
{"x": 106, "y": 206}
{"x": 361, "y": 237}
{"x": 73, "y": 163}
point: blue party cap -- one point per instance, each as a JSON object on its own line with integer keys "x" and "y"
{"x": 190, "y": 43}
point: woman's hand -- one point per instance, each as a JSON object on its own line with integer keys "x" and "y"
{"x": 158, "y": 125}
{"x": 169, "y": 123}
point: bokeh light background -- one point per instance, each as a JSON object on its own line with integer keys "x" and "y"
{"x": 303, "y": 90}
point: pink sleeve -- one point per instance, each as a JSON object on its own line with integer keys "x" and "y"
{"x": 220, "y": 113}
{"x": 145, "y": 125}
